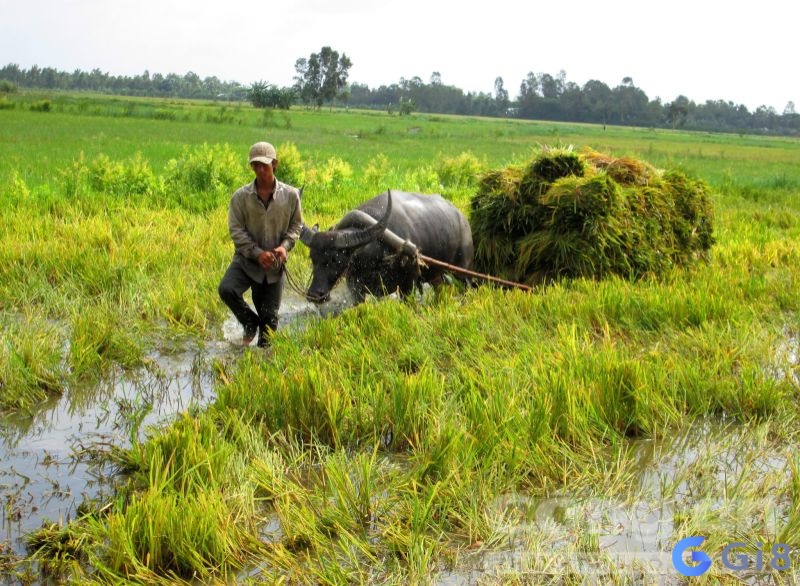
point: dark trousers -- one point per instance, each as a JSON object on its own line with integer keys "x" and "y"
{"x": 266, "y": 298}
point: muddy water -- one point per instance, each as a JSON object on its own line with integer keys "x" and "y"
{"x": 47, "y": 470}
{"x": 48, "y": 460}
{"x": 605, "y": 538}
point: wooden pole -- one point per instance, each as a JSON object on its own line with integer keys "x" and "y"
{"x": 463, "y": 271}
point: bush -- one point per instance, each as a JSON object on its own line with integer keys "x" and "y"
{"x": 334, "y": 171}
{"x": 139, "y": 177}
{"x": 19, "y": 189}
{"x": 460, "y": 171}
{"x": 291, "y": 168}
{"x": 203, "y": 176}
{"x": 220, "y": 116}
{"x": 134, "y": 177}
{"x": 377, "y": 170}
{"x": 73, "y": 178}
{"x": 7, "y": 87}
{"x": 265, "y": 95}
{"x": 105, "y": 175}
{"x": 6, "y": 104}
{"x": 41, "y": 106}
{"x": 205, "y": 169}
{"x": 164, "y": 114}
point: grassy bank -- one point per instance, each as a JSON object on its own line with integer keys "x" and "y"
{"x": 374, "y": 446}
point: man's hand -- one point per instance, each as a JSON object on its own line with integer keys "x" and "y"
{"x": 266, "y": 259}
{"x": 280, "y": 254}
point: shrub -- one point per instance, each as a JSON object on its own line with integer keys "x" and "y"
{"x": 139, "y": 177}
{"x": 220, "y": 116}
{"x": 205, "y": 169}
{"x": 73, "y": 177}
{"x": 132, "y": 177}
{"x": 424, "y": 179}
{"x": 460, "y": 171}
{"x": 334, "y": 171}
{"x": 377, "y": 170}
{"x": 105, "y": 175}
{"x": 203, "y": 177}
{"x": 7, "y": 87}
{"x": 18, "y": 186}
{"x": 41, "y": 106}
{"x": 291, "y": 168}
{"x": 163, "y": 114}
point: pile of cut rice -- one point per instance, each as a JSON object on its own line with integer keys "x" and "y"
{"x": 570, "y": 214}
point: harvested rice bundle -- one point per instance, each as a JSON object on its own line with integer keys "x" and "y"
{"x": 570, "y": 215}
{"x": 499, "y": 204}
{"x": 550, "y": 165}
{"x": 495, "y": 211}
{"x": 694, "y": 217}
{"x": 582, "y": 232}
{"x": 555, "y": 163}
{"x": 624, "y": 170}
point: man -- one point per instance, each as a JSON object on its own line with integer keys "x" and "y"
{"x": 264, "y": 220}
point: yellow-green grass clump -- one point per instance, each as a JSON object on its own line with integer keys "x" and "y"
{"x": 570, "y": 214}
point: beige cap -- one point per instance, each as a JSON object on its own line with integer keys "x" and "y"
{"x": 262, "y": 152}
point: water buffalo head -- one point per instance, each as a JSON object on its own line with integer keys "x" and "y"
{"x": 331, "y": 252}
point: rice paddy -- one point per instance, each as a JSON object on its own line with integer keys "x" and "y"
{"x": 566, "y": 436}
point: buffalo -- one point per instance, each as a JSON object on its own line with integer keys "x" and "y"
{"x": 376, "y": 245}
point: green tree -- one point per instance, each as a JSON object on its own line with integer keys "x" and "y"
{"x": 678, "y": 111}
{"x": 265, "y": 95}
{"x": 308, "y": 80}
{"x": 406, "y": 106}
{"x": 501, "y": 96}
{"x": 597, "y": 101}
{"x": 322, "y": 77}
{"x": 630, "y": 102}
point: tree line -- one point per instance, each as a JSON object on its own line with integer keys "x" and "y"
{"x": 171, "y": 85}
{"x": 322, "y": 79}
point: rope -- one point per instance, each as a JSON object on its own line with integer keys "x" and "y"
{"x": 294, "y": 284}
{"x": 427, "y": 260}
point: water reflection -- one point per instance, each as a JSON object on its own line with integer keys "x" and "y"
{"x": 47, "y": 459}
{"x": 629, "y": 533}
{"x": 47, "y": 466}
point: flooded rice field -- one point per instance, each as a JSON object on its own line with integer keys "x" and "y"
{"x": 728, "y": 479}
{"x": 49, "y": 460}
{"x": 722, "y": 478}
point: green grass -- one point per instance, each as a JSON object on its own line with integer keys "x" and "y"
{"x": 373, "y": 446}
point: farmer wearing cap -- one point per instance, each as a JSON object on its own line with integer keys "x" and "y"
{"x": 264, "y": 220}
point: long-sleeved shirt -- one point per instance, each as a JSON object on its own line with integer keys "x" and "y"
{"x": 255, "y": 227}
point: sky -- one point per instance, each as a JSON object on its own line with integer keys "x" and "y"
{"x": 743, "y": 52}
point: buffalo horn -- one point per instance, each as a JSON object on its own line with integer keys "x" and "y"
{"x": 349, "y": 239}
{"x": 307, "y": 235}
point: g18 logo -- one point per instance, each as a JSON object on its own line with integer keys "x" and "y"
{"x": 779, "y": 559}
{"x": 697, "y": 556}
